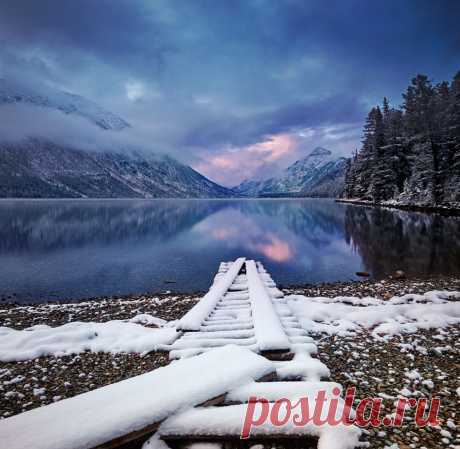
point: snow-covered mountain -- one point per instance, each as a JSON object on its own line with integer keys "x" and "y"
{"x": 45, "y": 97}
{"x": 318, "y": 174}
{"x": 37, "y": 166}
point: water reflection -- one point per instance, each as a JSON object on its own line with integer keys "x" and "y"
{"x": 74, "y": 249}
{"x": 414, "y": 242}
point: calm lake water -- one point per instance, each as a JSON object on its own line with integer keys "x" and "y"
{"x": 61, "y": 249}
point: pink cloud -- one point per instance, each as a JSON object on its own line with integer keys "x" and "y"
{"x": 232, "y": 165}
{"x": 275, "y": 249}
{"x": 223, "y": 233}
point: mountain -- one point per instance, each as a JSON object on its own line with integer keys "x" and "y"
{"x": 38, "y": 167}
{"x": 14, "y": 93}
{"x": 319, "y": 174}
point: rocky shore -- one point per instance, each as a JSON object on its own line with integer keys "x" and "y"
{"x": 375, "y": 368}
{"x": 440, "y": 209}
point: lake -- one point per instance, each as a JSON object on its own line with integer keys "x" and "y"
{"x": 70, "y": 249}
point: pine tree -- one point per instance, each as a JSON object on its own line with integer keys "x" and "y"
{"x": 411, "y": 155}
{"x": 452, "y": 181}
{"x": 419, "y": 105}
{"x": 366, "y": 157}
{"x": 379, "y": 175}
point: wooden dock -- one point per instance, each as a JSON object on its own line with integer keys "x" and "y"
{"x": 243, "y": 332}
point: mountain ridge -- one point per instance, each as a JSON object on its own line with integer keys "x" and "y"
{"x": 38, "y": 167}
{"x": 317, "y": 174}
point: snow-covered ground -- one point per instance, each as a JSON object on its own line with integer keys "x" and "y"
{"x": 74, "y": 338}
{"x": 333, "y": 316}
{"x": 406, "y": 345}
{"x": 94, "y": 418}
{"x": 349, "y": 315}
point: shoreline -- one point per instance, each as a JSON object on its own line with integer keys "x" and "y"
{"x": 375, "y": 369}
{"x": 442, "y": 210}
{"x": 359, "y": 286}
{"x": 169, "y": 305}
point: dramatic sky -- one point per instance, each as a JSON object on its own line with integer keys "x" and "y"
{"x": 235, "y": 88}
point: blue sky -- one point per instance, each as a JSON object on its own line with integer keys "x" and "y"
{"x": 235, "y": 88}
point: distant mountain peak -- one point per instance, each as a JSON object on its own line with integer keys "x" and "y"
{"x": 320, "y": 151}
{"x": 319, "y": 173}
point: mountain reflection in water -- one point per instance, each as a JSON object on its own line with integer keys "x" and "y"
{"x": 61, "y": 249}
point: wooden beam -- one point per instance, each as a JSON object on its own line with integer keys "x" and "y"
{"x": 130, "y": 437}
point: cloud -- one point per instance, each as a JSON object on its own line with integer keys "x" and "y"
{"x": 135, "y": 90}
{"x": 22, "y": 121}
{"x": 204, "y": 79}
{"x": 275, "y": 249}
{"x": 232, "y": 165}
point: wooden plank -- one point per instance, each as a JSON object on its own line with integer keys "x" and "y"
{"x": 193, "y": 318}
{"x": 279, "y": 356}
{"x": 267, "y": 325}
{"x": 137, "y": 436}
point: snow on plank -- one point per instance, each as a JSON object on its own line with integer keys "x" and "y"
{"x": 134, "y": 406}
{"x": 193, "y": 319}
{"x": 267, "y": 326}
{"x": 214, "y": 423}
{"x": 276, "y": 390}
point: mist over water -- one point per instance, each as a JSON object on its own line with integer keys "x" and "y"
{"x": 69, "y": 249}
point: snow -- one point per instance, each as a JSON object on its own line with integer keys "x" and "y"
{"x": 267, "y": 326}
{"x": 224, "y": 421}
{"x": 405, "y": 392}
{"x": 429, "y": 383}
{"x": 413, "y": 374}
{"x": 445, "y": 433}
{"x": 193, "y": 319}
{"x": 304, "y": 175}
{"x": 155, "y": 443}
{"x": 238, "y": 333}
{"x": 146, "y": 319}
{"x": 304, "y": 367}
{"x": 275, "y": 390}
{"x": 74, "y": 338}
{"x": 187, "y": 343}
{"x": 93, "y": 418}
{"x": 346, "y": 315}
{"x": 47, "y": 97}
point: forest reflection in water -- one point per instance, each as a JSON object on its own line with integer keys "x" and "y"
{"x": 62, "y": 249}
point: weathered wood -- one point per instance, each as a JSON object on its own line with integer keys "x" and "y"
{"x": 214, "y": 401}
{"x": 281, "y": 355}
{"x": 235, "y": 442}
{"x": 137, "y": 437}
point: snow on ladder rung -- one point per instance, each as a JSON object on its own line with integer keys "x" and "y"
{"x": 192, "y": 320}
{"x": 211, "y": 342}
{"x": 226, "y": 327}
{"x": 267, "y": 326}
